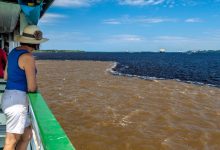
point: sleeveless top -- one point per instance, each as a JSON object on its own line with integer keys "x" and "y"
{"x": 16, "y": 76}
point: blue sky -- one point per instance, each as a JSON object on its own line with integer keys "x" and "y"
{"x": 132, "y": 25}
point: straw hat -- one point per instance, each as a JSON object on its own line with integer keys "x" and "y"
{"x": 31, "y": 35}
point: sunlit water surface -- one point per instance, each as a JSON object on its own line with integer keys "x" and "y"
{"x": 100, "y": 111}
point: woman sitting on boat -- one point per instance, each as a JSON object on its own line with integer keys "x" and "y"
{"x": 21, "y": 78}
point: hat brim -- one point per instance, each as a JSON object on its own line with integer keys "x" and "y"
{"x": 22, "y": 39}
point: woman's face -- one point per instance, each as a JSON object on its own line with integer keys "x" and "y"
{"x": 35, "y": 47}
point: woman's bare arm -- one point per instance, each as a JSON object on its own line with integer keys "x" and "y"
{"x": 28, "y": 63}
{"x": 5, "y": 72}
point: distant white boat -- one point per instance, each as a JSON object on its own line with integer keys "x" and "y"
{"x": 162, "y": 50}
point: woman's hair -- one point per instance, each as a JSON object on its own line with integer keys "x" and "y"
{"x": 34, "y": 46}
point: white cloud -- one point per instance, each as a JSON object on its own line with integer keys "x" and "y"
{"x": 165, "y": 3}
{"x": 140, "y": 2}
{"x": 173, "y": 3}
{"x": 51, "y": 17}
{"x": 154, "y": 20}
{"x": 74, "y": 3}
{"x": 130, "y": 42}
{"x": 139, "y": 20}
{"x": 172, "y": 38}
{"x": 193, "y": 20}
{"x": 125, "y": 38}
{"x": 146, "y": 20}
{"x": 181, "y": 43}
{"x": 111, "y": 21}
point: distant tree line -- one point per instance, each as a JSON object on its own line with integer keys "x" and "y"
{"x": 55, "y": 51}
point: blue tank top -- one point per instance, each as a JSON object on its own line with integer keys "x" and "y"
{"x": 16, "y": 76}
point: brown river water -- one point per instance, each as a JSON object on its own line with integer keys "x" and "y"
{"x": 100, "y": 111}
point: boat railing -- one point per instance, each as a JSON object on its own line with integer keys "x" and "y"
{"x": 47, "y": 132}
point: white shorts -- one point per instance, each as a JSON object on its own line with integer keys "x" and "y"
{"x": 15, "y": 107}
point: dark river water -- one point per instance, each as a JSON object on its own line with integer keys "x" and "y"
{"x": 199, "y": 68}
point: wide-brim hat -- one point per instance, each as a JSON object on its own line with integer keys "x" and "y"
{"x": 31, "y": 35}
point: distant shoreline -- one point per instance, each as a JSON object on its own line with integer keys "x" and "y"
{"x": 56, "y": 51}
{"x": 68, "y": 51}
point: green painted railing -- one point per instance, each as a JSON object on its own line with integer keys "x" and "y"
{"x": 52, "y": 135}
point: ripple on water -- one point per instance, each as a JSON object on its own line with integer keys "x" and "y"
{"x": 100, "y": 111}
